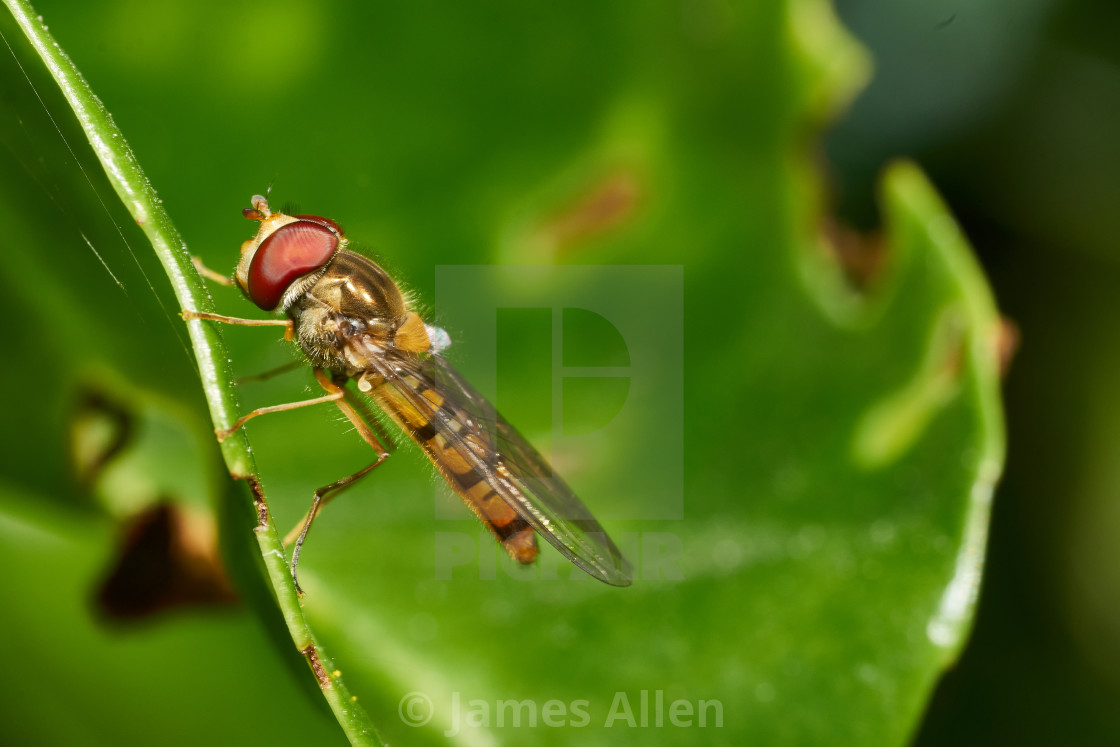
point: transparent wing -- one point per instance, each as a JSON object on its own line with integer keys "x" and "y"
{"x": 481, "y": 454}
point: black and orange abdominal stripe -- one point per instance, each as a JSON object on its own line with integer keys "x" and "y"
{"x": 513, "y": 532}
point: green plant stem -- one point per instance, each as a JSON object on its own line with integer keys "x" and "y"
{"x": 134, "y": 190}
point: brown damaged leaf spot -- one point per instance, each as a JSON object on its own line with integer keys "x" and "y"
{"x": 1007, "y": 344}
{"x": 861, "y": 256}
{"x": 259, "y": 501}
{"x": 240, "y": 476}
{"x": 605, "y": 206}
{"x": 99, "y": 430}
{"x": 312, "y": 656}
{"x": 168, "y": 559}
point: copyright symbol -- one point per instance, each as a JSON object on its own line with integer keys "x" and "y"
{"x": 415, "y": 709}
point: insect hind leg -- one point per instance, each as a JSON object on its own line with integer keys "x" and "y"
{"x": 321, "y": 497}
{"x": 327, "y": 492}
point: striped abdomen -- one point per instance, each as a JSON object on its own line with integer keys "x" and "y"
{"x": 513, "y": 532}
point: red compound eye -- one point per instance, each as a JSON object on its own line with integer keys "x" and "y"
{"x": 289, "y": 253}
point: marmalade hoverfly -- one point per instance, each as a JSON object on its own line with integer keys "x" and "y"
{"x": 352, "y": 322}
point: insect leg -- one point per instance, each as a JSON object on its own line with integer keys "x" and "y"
{"x": 366, "y": 414}
{"x": 324, "y": 494}
{"x": 351, "y": 414}
{"x": 289, "y": 331}
{"x": 206, "y": 272}
{"x": 292, "y": 366}
{"x": 224, "y": 433}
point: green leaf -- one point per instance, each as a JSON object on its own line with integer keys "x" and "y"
{"x": 210, "y": 354}
{"x": 800, "y": 472}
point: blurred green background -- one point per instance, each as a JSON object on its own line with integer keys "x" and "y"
{"x": 804, "y": 580}
{"x": 1011, "y": 107}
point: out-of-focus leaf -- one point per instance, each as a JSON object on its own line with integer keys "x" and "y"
{"x": 808, "y": 545}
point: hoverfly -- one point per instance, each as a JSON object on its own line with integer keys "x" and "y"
{"x": 352, "y": 322}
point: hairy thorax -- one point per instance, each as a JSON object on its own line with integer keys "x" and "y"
{"x": 351, "y": 312}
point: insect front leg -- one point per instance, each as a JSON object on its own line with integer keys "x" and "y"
{"x": 327, "y": 492}
{"x": 288, "y": 324}
{"x": 209, "y": 274}
{"x": 225, "y": 280}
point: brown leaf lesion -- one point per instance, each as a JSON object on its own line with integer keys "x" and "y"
{"x": 1007, "y": 343}
{"x": 861, "y": 256}
{"x": 608, "y": 203}
{"x": 166, "y": 555}
{"x": 168, "y": 558}
{"x": 100, "y": 428}
{"x": 259, "y": 501}
{"x": 312, "y": 655}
